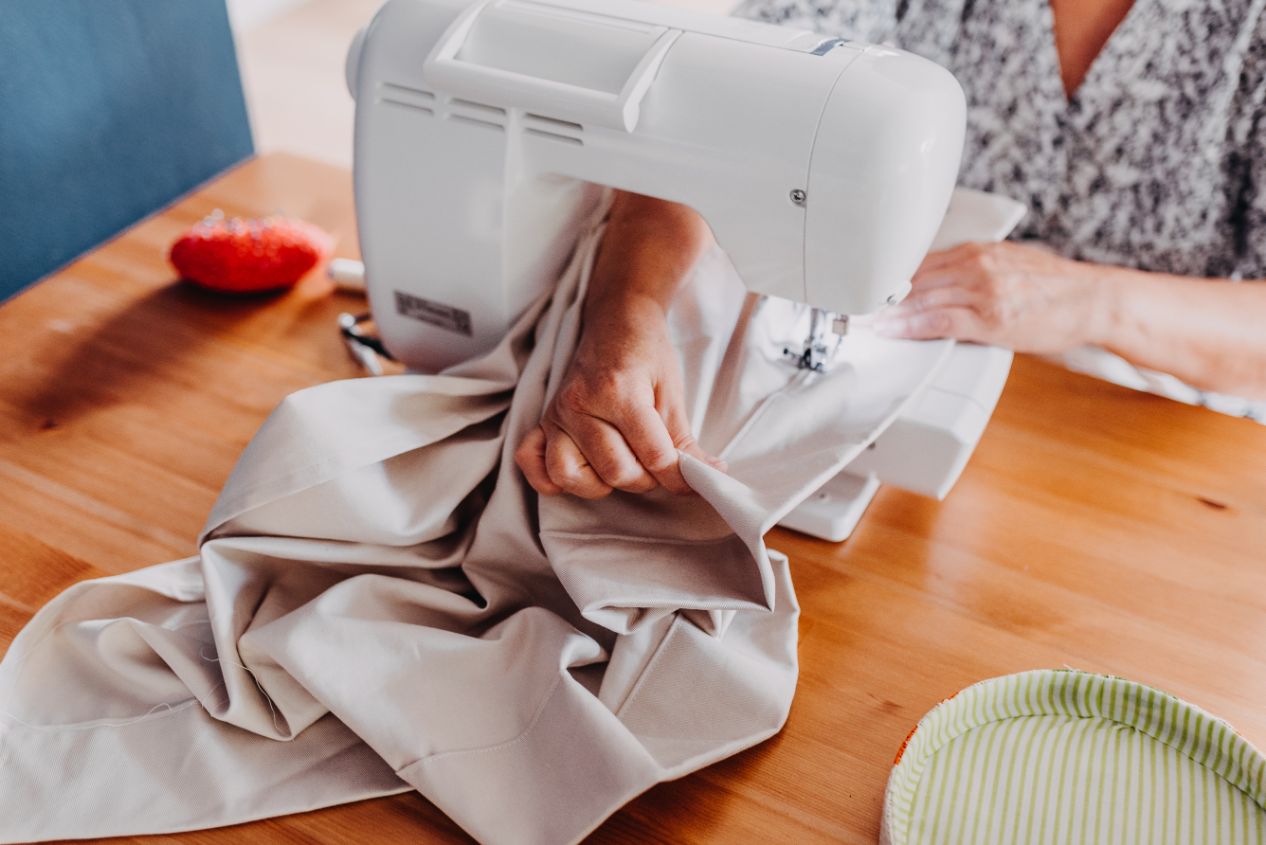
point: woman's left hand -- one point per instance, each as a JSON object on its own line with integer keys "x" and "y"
{"x": 1006, "y": 294}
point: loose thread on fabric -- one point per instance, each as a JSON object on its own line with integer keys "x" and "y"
{"x": 100, "y": 723}
{"x": 267, "y": 698}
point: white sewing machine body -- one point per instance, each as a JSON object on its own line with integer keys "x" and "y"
{"x": 485, "y": 130}
{"x": 824, "y": 168}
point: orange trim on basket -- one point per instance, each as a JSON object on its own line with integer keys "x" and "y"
{"x": 902, "y": 750}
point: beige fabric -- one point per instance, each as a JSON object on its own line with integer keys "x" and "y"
{"x": 380, "y": 603}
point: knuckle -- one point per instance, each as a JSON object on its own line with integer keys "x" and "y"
{"x": 641, "y": 484}
{"x": 660, "y": 460}
{"x": 596, "y": 394}
{"x": 990, "y": 260}
{"x": 567, "y": 477}
{"x": 929, "y": 301}
{"x": 626, "y": 403}
{"x": 615, "y": 472}
{"x": 991, "y": 314}
{"x": 683, "y": 441}
{"x": 940, "y": 322}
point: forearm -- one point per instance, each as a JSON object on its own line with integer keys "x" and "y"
{"x": 1209, "y": 333}
{"x": 648, "y": 249}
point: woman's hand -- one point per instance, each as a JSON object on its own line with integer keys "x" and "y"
{"x": 619, "y": 416}
{"x": 1006, "y": 294}
{"x": 1207, "y": 332}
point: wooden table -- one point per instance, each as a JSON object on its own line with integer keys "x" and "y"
{"x": 1095, "y": 527}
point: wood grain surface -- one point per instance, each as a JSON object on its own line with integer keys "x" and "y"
{"x": 1096, "y": 528}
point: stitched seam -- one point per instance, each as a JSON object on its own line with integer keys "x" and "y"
{"x": 796, "y": 381}
{"x": 166, "y": 710}
{"x": 536, "y": 717}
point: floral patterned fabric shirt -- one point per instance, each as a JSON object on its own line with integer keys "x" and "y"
{"x": 1157, "y": 161}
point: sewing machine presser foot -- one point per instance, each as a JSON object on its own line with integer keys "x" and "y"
{"x": 826, "y": 330}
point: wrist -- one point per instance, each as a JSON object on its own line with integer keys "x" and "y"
{"x": 623, "y": 303}
{"x": 1109, "y": 292}
{"x": 619, "y": 321}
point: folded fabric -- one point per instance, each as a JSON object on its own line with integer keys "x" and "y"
{"x": 1102, "y": 364}
{"x": 380, "y": 603}
{"x": 1065, "y": 756}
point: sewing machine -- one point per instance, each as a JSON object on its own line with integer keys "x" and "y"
{"x": 485, "y": 132}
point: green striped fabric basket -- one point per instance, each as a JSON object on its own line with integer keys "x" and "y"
{"x": 1070, "y": 757}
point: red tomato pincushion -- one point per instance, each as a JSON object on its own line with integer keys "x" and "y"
{"x": 238, "y": 255}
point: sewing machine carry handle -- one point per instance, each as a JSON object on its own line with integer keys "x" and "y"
{"x": 526, "y": 54}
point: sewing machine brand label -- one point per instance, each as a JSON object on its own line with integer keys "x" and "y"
{"x": 436, "y": 313}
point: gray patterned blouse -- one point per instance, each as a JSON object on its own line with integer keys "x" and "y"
{"x": 1159, "y": 159}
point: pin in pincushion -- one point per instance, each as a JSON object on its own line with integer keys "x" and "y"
{"x": 249, "y": 255}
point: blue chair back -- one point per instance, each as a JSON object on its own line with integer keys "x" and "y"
{"x": 109, "y": 110}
